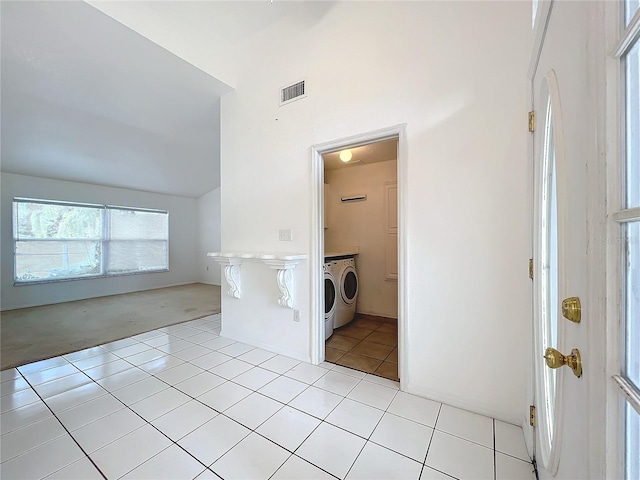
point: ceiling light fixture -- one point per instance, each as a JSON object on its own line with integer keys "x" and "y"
{"x": 345, "y": 155}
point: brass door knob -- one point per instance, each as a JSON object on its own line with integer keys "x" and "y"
{"x": 555, "y": 359}
{"x": 571, "y": 309}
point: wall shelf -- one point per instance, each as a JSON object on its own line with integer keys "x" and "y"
{"x": 284, "y": 263}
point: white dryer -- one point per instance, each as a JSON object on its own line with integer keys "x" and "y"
{"x": 345, "y": 273}
{"x": 331, "y": 294}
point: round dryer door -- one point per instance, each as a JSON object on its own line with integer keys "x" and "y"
{"x": 329, "y": 295}
{"x": 349, "y": 285}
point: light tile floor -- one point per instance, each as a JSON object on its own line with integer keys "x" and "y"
{"x": 181, "y": 402}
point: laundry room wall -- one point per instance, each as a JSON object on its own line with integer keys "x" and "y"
{"x": 364, "y": 224}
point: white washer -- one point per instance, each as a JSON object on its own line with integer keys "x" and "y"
{"x": 348, "y": 287}
{"x": 331, "y": 293}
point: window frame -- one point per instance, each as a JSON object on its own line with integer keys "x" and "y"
{"x": 621, "y": 37}
{"x": 104, "y": 240}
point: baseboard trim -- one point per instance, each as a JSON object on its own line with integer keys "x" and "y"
{"x": 463, "y": 404}
{"x": 266, "y": 346}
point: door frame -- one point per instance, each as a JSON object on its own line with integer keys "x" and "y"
{"x": 316, "y": 259}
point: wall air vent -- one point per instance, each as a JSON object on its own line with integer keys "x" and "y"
{"x": 293, "y": 92}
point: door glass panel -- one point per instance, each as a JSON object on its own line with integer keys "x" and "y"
{"x": 632, "y": 296}
{"x": 549, "y": 254}
{"x": 630, "y": 9}
{"x": 632, "y": 61}
{"x": 632, "y": 443}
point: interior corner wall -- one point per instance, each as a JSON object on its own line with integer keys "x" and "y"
{"x": 363, "y": 224}
{"x": 455, "y": 74}
{"x": 209, "y": 236}
{"x": 183, "y": 241}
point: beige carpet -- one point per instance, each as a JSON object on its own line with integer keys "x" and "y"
{"x": 36, "y": 333}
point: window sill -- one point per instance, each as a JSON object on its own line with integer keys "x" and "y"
{"x": 88, "y": 277}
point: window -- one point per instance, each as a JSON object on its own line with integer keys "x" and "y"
{"x": 63, "y": 240}
{"x": 137, "y": 240}
{"x": 549, "y": 270}
{"x": 631, "y": 7}
{"x": 626, "y": 218}
{"x": 545, "y": 261}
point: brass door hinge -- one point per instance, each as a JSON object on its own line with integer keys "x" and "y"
{"x": 532, "y": 121}
{"x": 531, "y": 268}
{"x": 532, "y": 415}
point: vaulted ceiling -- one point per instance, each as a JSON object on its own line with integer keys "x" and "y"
{"x": 124, "y": 94}
{"x": 85, "y": 98}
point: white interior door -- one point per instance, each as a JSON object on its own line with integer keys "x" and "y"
{"x": 561, "y": 149}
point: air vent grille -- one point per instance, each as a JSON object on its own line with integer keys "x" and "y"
{"x": 292, "y": 92}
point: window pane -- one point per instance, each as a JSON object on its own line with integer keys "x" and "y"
{"x": 137, "y": 256}
{"x": 137, "y": 225}
{"x": 632, "y": 295}
{"x": 630, "y": 9}
{"x": 138, "y": 241}
{"x": 632, "y": 61}
{"x": 549, "y": 276}
{"x": 51, "y": 260}
{"x": 632, "y": 443}
{"x": 42, "y": 220}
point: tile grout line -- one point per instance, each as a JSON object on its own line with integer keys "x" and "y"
{"x": 322, "y": 420}
{"x": 252, "y": 430}
{"x": 360, "y": 340}
{"x": 107, "y": 351}
{"x": 126, "y": 407}
{"x": 433, "y": 432}
{"x": 152, "y": 425}
{"x": 94, "y": 381}
{"x": 65, "y": 429}
{"x": 493, "y": 424}
{"x": 219, "y": 413}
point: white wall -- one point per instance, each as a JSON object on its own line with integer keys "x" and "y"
{"x": 455, "y": 73}
{"x": 183, "y": 241}
{"x": 363, "y": 224}
{"x": 209, "y": 236}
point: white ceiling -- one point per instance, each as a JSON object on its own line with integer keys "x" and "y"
{"x": 86, "y": 99}
{"x": 210, "y": 34}
{"x": 364, "y": 155}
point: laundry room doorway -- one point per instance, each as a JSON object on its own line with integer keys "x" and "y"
{"x": 358, "y": 182}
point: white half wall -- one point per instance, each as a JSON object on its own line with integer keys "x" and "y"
{"x": 455, "y": 73}
{"x": 183, "y": 241}
{"x": 363, "y": 224}
{"x": 209, "y": 236}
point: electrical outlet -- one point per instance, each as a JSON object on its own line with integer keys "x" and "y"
{"x": 284, "y": 235}
{"x": 296, "y": 315}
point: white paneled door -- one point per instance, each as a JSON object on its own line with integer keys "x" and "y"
{"x": 560, "y": 153}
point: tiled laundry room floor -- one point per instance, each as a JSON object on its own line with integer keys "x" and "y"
{"x": 367, "y": 343}
{"x": 181, "y": 402}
